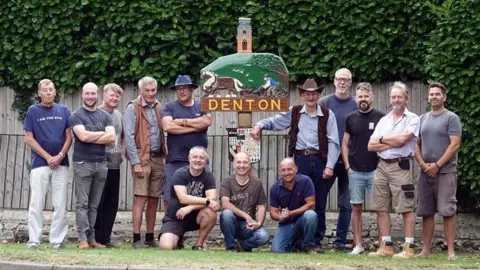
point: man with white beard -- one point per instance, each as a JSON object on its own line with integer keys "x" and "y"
{"x": 394, "y": 141}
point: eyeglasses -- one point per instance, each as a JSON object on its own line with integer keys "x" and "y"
{"x": 344, "y": 80}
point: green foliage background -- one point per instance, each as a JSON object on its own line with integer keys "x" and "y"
{"x": 75, "y": 41}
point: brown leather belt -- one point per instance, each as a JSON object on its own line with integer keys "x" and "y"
{"x": 308, "y": 152}
{"x": 395, "y": 160}
{"x": 156, "y": 154}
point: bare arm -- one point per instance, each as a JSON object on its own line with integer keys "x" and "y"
{"x": 309, "y": 205}
{"x": 33, "y": 144}
{"x": 345, "y": 149}
{"x": 226, "y": 204}
{"x": 169, "y": 126}
{"x": 199, "y": 123}
{"x": 261, "y": 211}
{"x": 451, "y": 150}
{"x": 87, "y": 136}
{"x": 398, "y": 140}
{"x": 375, "y": 146}
{"x": 68, "y": 142}
{"x": 108, "y": 137}
{"x": 418, "y": 154}
{"x": 275, "y": 213}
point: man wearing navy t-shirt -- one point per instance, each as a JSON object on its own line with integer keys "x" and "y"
{"x": 341, "y": 103}
{"x": 292, "y": 204}
{"x": 186, "y": 127}
{"x": 47, "y": 133}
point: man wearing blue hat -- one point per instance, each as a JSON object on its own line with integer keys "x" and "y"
{"x": 186, "y": 127}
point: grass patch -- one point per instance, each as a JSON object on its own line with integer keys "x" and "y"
{"x": 260, "y": 259}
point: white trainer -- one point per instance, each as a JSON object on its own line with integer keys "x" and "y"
{"x": 357, "y": 250}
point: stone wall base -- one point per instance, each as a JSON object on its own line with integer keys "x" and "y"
{"x": 13, "y": 227}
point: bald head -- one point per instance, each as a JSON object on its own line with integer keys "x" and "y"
{"x": 90, "y": 86}
{"x": 242, "y": 155}
{"x": 287, "y": 162}
{"x": 288, "y": 170}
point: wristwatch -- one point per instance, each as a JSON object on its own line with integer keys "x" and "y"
{"x": 380, "y": 139}
{"x": 207, "y": 203}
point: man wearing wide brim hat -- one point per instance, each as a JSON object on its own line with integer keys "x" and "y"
{"x": 186, "y": 126}
{"x": 314, "y": 144}
{"x": 183, "y": 80}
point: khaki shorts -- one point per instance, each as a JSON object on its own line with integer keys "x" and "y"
{"x": 393, "y": 186}
{"x": 437, "y": 194}
{"x": 151, "y": 183}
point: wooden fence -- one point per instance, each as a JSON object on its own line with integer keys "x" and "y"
{"x": 15, "y": 155}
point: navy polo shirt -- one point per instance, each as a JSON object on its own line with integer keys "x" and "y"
{"x": 281, "y": 197}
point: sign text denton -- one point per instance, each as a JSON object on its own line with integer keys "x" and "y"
{"x": 245, "y": 104}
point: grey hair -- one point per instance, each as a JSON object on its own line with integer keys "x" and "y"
{"x": 114, "y": 87}
{"x": 401, "y": 86}
{"x": 146, "y": 80}
{"x": 45, "y": 81}
{"x": 198, "y": 148}
{"x": 364, "y": 86}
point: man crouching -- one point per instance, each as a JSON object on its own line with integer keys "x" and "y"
{"x": 192, "y": 205}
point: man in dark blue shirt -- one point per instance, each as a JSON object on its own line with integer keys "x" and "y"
{"x": 48, "y": 135}
{"x": 186, "y": 127}
{"x": 341, "y": 103}
{"x": 292, "y": 204}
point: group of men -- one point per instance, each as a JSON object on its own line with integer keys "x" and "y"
{"x": 337, "y": 137}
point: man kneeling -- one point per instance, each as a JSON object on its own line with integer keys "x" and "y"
{"x": 241, "y": 195}
{"x": 292, "y": 200}
{"x": 192, "y": 204}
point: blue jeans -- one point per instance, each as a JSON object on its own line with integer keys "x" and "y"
{"x": 232, "y": 229}
{"x": 344, "y": 206}
{"x": 303, "y": 230}
{"x": 313, "y": 167}
{"x": 358, "y": 183}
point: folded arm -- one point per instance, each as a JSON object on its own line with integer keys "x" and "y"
{"x": 170, "y": 126}
{"x": 108, "y": 137}
{"x": 398, "y": 140}
{"x": 374, "y": 145}
{"x": 87, "y": 136}
{"x": 199, "y": 123}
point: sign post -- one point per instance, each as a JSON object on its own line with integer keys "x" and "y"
{"x": 245, "y": 82}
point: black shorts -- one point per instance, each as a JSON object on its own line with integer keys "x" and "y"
{"x": 180, "y": 226}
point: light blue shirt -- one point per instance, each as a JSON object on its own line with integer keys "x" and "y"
{"x": 129, "y": 123}
{"x": 307, "y": 137}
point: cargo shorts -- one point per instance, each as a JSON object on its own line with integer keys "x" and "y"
{"x": 151, "y": 183}
{"x": 393, "y": 187}
{"x": 437, "y": 194}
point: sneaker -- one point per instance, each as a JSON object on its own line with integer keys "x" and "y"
{"x": 407, "y": 252}
{"x": 385, "y": 250}
{"x": 33, "y": 246}
{"x": 357, "y": 250}
{"x": 152, "y": 244}
{"x": 111, "y": 245}
{"x": 308, "y": 250}
{"x": 58, "y": 246}
{"x": 319, "y": 249}
{"x": 199, "y": 248}
{"x": 95, "y": 244}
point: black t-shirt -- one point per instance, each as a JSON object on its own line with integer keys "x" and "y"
{"x": 196, "y": 186}
{"x": 360, "y": 126}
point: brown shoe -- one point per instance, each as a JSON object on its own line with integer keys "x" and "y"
{"x": 83, "y": 245}
{"x": 94, "y": 244}
{"x": 385, "y": 250}
{"x": 407, "y": 252}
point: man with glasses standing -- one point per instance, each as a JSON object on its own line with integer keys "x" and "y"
{"x": 341, "y": 103}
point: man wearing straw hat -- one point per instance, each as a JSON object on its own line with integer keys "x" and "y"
{"x": 313, "y": 142}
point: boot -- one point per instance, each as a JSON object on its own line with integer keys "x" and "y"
{"x": 94, "y": 244}
{"x": 407, "y": 252}
{"x": 83, "y": 245}
{"x": 385, "y": 250}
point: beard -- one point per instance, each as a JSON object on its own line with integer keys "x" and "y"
{"x": 364, "y": 106}
{"x": 88, "y": 105}
{"x": 397, "y": 107}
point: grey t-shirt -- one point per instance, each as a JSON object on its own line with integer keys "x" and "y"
{"x": 434, "y": 133}
{"x": 246, "y": 197}
{"x": 96, "y": 120}
{"x": 114, "y": 150}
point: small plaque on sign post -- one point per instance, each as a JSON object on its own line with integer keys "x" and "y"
{"x": 241, "y": 140}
